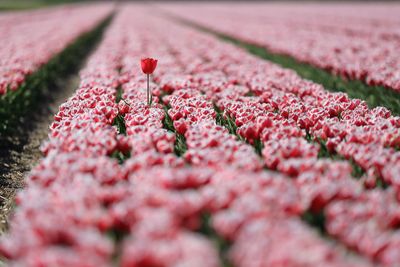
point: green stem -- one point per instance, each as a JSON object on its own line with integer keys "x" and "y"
{"x": 148, "y": 90}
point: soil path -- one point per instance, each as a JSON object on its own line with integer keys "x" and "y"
{"x": 18, "y": 154}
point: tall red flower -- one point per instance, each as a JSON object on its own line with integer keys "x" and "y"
{"x": 148, "y": 65}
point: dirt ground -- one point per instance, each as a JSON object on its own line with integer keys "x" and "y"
{"x": 18, "y": 154}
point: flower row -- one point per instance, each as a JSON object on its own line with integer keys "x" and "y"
{"x": 351, "y": 45}
{"x": 31, "y": 39}
{"x": 216, "y": 77}
{"x": 281, "y": 99}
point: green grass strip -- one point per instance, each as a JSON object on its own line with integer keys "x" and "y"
{"x": 229, "y": 123}
{"x": 17, "y": 5}
{"x": 119, "y": 122}
{"x": 316, "y": 220}
{"x": 9, "y": 5}
{"x": 180, "y": 146}
{"x": 373, "y": 95}
{"x": 220, "y": 243}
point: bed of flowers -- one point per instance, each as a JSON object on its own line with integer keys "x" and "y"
{"x": 31, "y": 69}
{"x": 217, "y": 168}
{"x": 360, "y": 43}
{"x": 289, "y": 116}
{"x": 24, "y": 50}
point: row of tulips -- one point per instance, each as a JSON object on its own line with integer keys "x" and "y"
{"x": 369, "y": 137}
{"x": 322, "y": 183}
{"x": 360, "y": 43}
{"x": 61, "y": 216}
{"x": 31, "y": 39}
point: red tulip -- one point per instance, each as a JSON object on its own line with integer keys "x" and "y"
{"x": 148, "y": 65}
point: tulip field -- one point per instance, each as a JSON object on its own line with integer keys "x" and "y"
{"x": 181, "y": 149}
{"x": 353, "y": 41}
